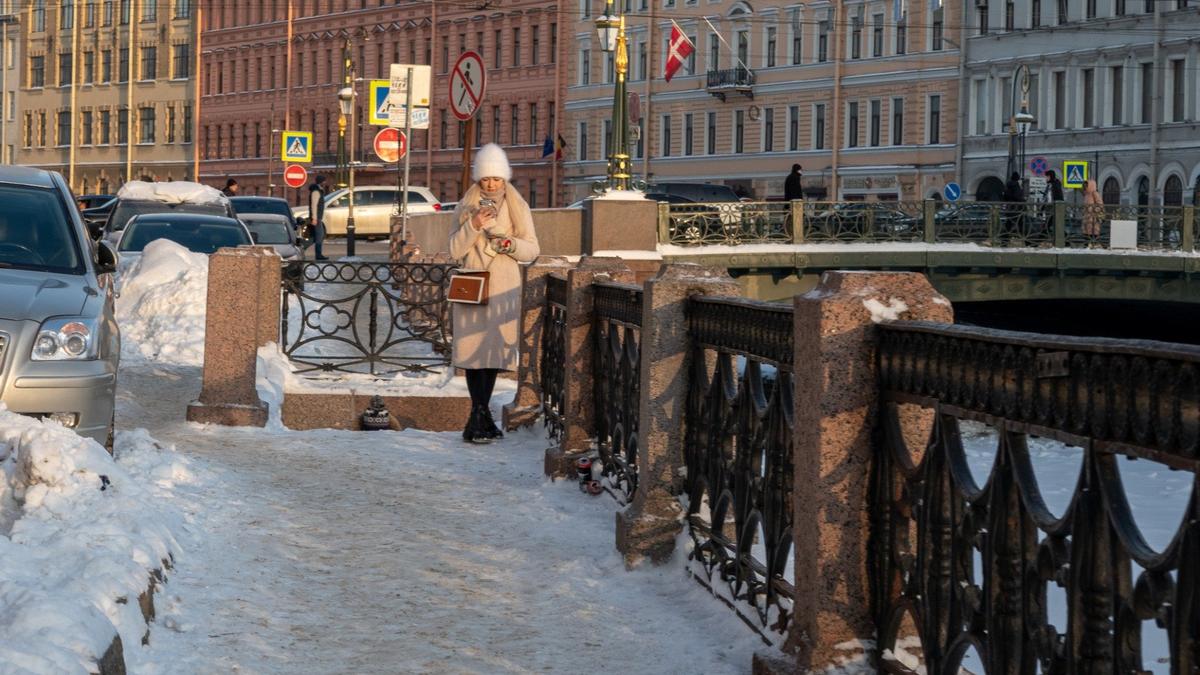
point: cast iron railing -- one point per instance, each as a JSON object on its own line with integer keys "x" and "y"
{"x": 730, "y": 77}
{"x": 826, "y": 222}
{"x": 616, "y": 377}
{"x": 729, "y": 223}
{"x": 553, "y": 355}
{"x": 372, "y": 318}
{"x": 959, "y": 563}
{"x": 738, "y": 454}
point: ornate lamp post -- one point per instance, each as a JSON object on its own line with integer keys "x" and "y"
{"x": 611, "y": 29}
{"x": 1018, "y": 124}
{"x": 346, "y": 106}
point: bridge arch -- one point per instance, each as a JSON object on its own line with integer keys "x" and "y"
{"x": 1112, "y": 173}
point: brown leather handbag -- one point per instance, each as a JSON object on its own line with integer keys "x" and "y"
{"x": 469, "y": 287}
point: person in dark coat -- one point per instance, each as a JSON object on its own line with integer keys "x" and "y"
{"x": 792, "y": 188}
{"x": 316, "y": 214}
{"x": 1014, "y": 195}
{"x": 1054, "y": 187}
{"x": 231, "y": 188}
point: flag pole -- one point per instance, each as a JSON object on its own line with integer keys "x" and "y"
{"x": 724, "y": 42}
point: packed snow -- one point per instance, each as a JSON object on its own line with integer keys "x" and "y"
{"x": 171, "y": 192}
{"x": 881, "y": 312}
{"x": 161, "y": 305}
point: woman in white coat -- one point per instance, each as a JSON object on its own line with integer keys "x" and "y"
{"x": 495, "y": 233}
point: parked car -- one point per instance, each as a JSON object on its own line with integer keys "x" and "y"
{"x": 244, "y": 206}
{"x": 373, "y": 207}
{"x": 95, "y": 217}
{"x": 197, "y": 232}
{"x": 701, "y": 193}
{"x": 973, "y": 220}
{"x": 59, "y": 341}
{"x": 137, "y": 197}
{"x": 852, "y": 220}
{"x": 92, "y": 201}
{"x": 274, "y": 230}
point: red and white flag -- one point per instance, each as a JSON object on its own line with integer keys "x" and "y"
{"x": 678, "y": 50}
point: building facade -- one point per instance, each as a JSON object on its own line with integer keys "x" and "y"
{"x": 249, "y": 89}
{"x": 106, "y": 90}
{"x": 863, "y": 95}
{"x": 1112, "y": 83}
{"x": 10, "y": 81}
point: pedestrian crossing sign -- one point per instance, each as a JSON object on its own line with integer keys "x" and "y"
{"x": 297, "y": 146}
{"x": 1075, "y": 174}
{"x": 379, "y": 101}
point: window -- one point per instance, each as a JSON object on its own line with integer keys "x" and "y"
{"x": 610, "y": 69}
{"x": 514, "y": 124}
{"x": 108, "y": 14}
{"x": 771, "y": 47}
{"x": 149, "y": 10}
{"x": 89, "y": 14}
{"x": 478, "y": 134}
{"x": 1089, "y": 97}
{"x": 64, "y": 127}
{"x": 553, "y": 43}
{"x": 797, "y": 37}
{"x": 446, "y": 56}
{"x": 496, "y": 59}
{"x": 981, "y": 13}
{"x": 822, "y": 42}
{"x": 743, "y": 48}
{"x": 1033, "y": 102}
{"x": 714, "y": 52}
{"x": 39, "y": 15}
{"x": 516, "y": 46}
{"x": 1060, "y": 100}
{"x": 739, "y": 130}
{"x": 608, "y": 151}
{"x": 1091, "y": 9}
{"x": 877, "y": 35}
{"x": 1119, "y": 10}
{"x": 1010, "y": 15}
{"x": 1147, "y": 92}
{"x": 182, "y": 63}
{"x": 28, "y": 130}
{"x": 66, "y": 62}
{"x": 979, "y": 106}
{"x": 1177, "y": 90}
{"x": 1117, "y": 79}
{"x": 852, "y": 125}
{"x": 1111, "y": 193}
{"x": 691, "y": 59}
{"x": 1035, "y": 13}
{"x": 89, "y": 67}
{"x": 105, "y": 127}
{"x": 936, "y": 29}
{"x": 935, "y": 120}
{"x": 1173, "y": 192}
{"x": 66, "y": 14}
{"x": 442, "y": 132}
{"x": 123, "y": 125}
{"x": 583, "y": 140}
{"x": 585, "y": 8}
{"x": 124, "y": 12}
{"x": 149, "y": 63}
{"x": 146, "y": 126}
{"x": 643, "y": 61}
{"x": 876, "y": 122}
{"x": 819, "y": 126}
{"x": 793, "y": 132}
{"x": 41, "y": 129}
{"x": 768, "y": 129}
{"x": 687, "y": 134}
{"x": 183, "y": 9}
{"x": 37, "y": 71}
{"x": 856, "y": 37}
{"x": 897, "y": 128}
{"x": 1061, "y": 14}
{"x": 171, "y": 130}
{"x": 123, "y": 67}
{"x": 710, "y": 137}
{"x": 187, "y": 123}
{"x": 536, "y": 47}
{"x": 902, "y": 36}
{"x": 495, "y": 121}
{"x": 533, "y": 123}
{"x": 666, "y": 135}
{"x": 585, "y": 66}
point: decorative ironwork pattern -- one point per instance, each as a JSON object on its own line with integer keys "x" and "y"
{"x": 373, "y": 318}
{"x": 1158, "y": 227}
{"x": 617, "y": 378}
{"x": 738, "y": 454}
{"x": 730, "y": 223}
{"x": 971, "y": 563}
{"x": 759, "y": 330}
{"x": 995, "y": 223}
{"x": 553, "y": 354}
{"x": 826, "y": 222}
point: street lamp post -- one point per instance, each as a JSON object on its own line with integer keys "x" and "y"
{"x": 346, "y": 103}
{"x": 611, "y": 29}
{"x": 1018, "y": 126}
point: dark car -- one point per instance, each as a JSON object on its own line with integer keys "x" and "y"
{"x": 700, "y": 193}
{"x": 96, "y": 216}
{"x": 263, "y": 205}
{"x": 978, "y": 221}
{"x": 848, "y": 221}
{"x": 197, "y": 232}
{"x": 137, "y": 198}
{"x": 92, "y": 201}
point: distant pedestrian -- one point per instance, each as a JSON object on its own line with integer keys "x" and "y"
{"x": 1012, "y": 189}
{"x": 792, "y": 187}
{"x": 316, "y": 214}
{"x": 1054, "y": 187}
{"x": 1014, "y": 196}
{"x": 1093, "y": 210}
{"x": 231, "y": 188}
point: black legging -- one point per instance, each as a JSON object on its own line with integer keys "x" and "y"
{"x": 481, "y": 382}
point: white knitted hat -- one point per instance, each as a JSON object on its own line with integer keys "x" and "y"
{"x": 491, "y": 162}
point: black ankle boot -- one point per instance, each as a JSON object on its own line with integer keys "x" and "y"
{"x": 487, "y": 424}
{"x": 477, "y": 431}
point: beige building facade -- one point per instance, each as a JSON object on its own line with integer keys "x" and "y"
{"x": 107, "y": 91}
{"x": 863, "y": 95}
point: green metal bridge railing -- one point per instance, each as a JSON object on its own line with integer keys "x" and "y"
{"x": 994, "y": 224}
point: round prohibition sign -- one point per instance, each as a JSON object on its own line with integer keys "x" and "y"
{"x": 468, "y": 81}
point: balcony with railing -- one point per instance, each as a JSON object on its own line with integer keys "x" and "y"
{"x": 740, "y": 80}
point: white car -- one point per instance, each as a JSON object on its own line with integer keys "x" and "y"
{"x": 373, "y": 208}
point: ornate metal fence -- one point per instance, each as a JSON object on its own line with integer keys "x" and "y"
{"x": 730, "y": 223}
{"x": 960, "y": 563}
{"x": 372, "y": 318}
{"x": 553, "y": 355}
{"x": 995, "y": 223}
{"x": 851, "y": 222}
{"x": 617, "y": 365}
{"x": 1158, "y": 227}
{"x": 738, "y": 453}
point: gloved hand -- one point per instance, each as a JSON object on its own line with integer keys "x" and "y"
{"x": 502, "y": 245}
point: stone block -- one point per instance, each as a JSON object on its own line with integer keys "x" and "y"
{"x": 525, "y": 407}
{"x": 836, "y": 397}
{"x": 649, "y": 526}
{"x": 343, "y": 410}
{"x": 619, "y": 225}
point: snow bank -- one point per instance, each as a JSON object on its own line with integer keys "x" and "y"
{"x": 162, "y": 305}
{"x": 173, "y": 192}
{"x": 80, "y": 534}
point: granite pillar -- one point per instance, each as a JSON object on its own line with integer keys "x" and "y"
{"x": 578, "y": 388}
{"x": 649, "y": 526}
{"x": 526, "y": 405}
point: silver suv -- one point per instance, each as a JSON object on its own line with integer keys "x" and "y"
{"x": 59, "y": 342}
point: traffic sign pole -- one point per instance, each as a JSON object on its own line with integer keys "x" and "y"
{"x": 404, "y": 188}
{"x": 468, "y": 138}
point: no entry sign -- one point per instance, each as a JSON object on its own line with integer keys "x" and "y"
{"x": 295, "y": 176}
{"x": 467, "y": 83}
{"x": 390, "y": 144}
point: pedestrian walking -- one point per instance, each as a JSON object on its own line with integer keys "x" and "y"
{"x": 495, "y": 233}
{"x": 316, "y": 214}
{"x": 792, "y": 187}
{"x": 1054, "y": 187}
{"x": 231, "y": 188}
{"x": 1093, "y": 211}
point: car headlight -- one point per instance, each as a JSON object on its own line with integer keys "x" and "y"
{"x": 67, "y": 339}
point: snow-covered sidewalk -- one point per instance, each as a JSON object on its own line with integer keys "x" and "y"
{"x": 403, "y": 552}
